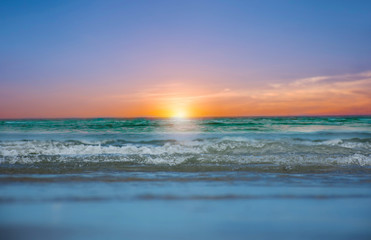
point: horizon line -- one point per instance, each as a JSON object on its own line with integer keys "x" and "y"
{"x": 206, "y": 117}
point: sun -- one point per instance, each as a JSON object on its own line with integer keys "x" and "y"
{"x": 179, "y": 114}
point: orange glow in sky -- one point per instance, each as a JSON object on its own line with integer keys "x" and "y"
{"x": 184, "y": 59}
{"x": 324, "y": 95}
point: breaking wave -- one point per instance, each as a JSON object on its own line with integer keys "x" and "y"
{"x": 225, "y": 150}
{"x": 230, "y": 144}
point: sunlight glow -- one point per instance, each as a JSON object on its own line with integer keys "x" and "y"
{"x": 179, "y": 114}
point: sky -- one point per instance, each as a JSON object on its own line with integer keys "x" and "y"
{"x": 62, "y": 59}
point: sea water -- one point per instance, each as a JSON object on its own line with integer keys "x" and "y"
{"x": 214, "y": 178}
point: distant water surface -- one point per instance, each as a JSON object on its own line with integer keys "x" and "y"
{"x": 221, "y": 178}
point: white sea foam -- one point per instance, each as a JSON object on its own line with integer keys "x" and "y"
{"x": 221, "y": 150}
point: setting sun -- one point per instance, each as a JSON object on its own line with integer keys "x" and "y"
{"x": 141, "y": 113}
{"x": 179, "y": 114}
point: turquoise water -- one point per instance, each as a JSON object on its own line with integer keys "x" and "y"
{"x": 225, "y": 178}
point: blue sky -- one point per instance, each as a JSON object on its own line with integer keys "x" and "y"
{"x": 113, "y": 47}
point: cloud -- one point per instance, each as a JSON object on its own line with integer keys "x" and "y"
{"x": 333, "y": 79}
{"x": 336, "y": 94}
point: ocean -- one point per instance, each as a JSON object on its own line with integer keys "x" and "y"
{"x": 211, "y": 178}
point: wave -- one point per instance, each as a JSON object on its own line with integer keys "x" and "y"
{"x": 236, "y": 151}
{"x": 300, "y": 124}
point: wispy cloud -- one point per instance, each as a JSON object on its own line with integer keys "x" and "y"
{"x": 333, "y": 79}
{"x": 333, "y": 94}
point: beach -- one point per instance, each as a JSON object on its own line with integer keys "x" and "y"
{"x": 207, "y": 178}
